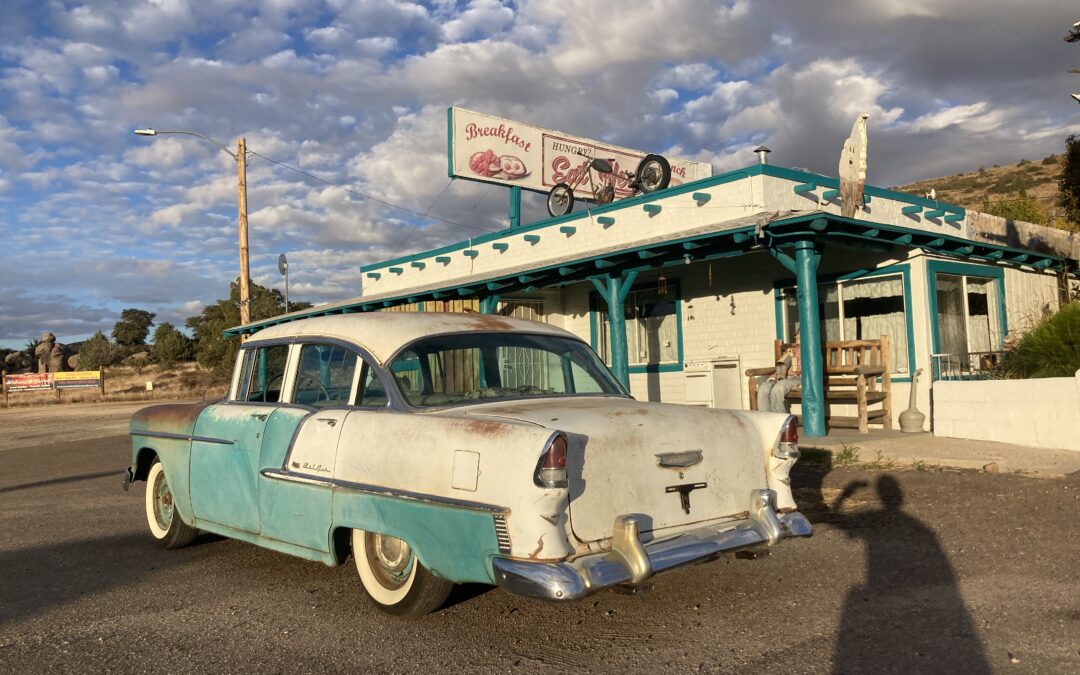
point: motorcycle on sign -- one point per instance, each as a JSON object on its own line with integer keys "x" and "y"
{"x": 653, "y": 173}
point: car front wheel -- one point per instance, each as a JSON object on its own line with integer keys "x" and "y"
{"x": 165, "y": 523}
{"x": 394, "y": 578}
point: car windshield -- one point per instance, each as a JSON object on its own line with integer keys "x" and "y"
{"x": 468, "y": 367}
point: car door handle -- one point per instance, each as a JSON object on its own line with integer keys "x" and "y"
{"x": 259, "y": 416}
{"x": 329, "y": 420}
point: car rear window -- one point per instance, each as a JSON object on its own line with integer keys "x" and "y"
{"x": 469, "y": 367}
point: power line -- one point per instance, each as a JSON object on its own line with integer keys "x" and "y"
{"x": 375, "y": 199}
{"x": 404, "y": 235}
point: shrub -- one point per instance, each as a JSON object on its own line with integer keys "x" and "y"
{"x": 1050, "y": 349}
{"x": 1048, "y": 161}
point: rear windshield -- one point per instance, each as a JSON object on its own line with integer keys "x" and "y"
{"x": 452, "y": 369}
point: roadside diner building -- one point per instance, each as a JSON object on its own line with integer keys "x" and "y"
{"x": 692, "y": 294}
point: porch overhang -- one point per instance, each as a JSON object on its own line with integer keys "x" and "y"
{"x": 759, "y": 233}
{"x": 757, "y": 208}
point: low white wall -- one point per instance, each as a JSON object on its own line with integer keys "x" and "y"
{"x": 1044, "y": 413}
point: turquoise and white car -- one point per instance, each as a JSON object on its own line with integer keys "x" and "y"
{"x": 451, "y": 448}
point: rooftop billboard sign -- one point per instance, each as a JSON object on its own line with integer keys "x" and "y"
{"x": 495, "y": 150}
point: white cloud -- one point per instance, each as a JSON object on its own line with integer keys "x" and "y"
{"x": 354, "y": 92}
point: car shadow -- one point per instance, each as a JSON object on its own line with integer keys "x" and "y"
{"x": 39, "y": 578}
{"x": 908, "y": 615}
{"x": 463, "y": 593}
{"x": 61, "y": 481}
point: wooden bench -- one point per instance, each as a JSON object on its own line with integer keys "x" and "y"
{"x": 853, "y": 369}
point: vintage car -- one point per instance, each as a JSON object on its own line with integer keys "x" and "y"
{"x": 451, "y": 448}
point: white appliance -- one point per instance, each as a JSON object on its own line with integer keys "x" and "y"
{"x": 714, "y": 383}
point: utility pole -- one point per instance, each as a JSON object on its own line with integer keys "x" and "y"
{"x": 241, "y": 200}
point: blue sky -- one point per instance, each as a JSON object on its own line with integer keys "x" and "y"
{"x": 94, "y": 219}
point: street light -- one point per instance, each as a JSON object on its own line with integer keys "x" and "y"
{"x": 241, "y": 200}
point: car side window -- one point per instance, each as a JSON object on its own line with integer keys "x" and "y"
{"x": 262, "y": 374}
{"x": 372, "y": 392}
{"x": 325, "y": 375}
{"x": 407, "y": 370}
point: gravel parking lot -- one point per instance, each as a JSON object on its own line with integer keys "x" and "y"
{"x": 916, "y": 571}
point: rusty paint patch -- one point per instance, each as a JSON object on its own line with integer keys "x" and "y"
{"x": 490, "y": 322}
{"x": 483, "y": 427}
{"x": 172, "y": 418}
{"x": 539, "y": 547}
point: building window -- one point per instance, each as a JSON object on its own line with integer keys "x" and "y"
{"x": 652, "y": 327}
{"x": 968, "y": 318}
{"x": 858, "y": 309}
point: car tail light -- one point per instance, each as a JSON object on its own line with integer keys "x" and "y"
{"x": 787, "y": 447}
{"x": 551, "y": 469}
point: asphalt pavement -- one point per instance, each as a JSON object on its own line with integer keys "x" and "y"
{"x": 915, "y": 571}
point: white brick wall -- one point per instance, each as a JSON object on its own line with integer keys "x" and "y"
{"x": 1043, "y": 413}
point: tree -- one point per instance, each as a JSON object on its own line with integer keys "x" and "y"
{"x": 96, "y": 352}
{"x": 1022, "y": 208}
{"x": 171, "y": 346}
{"x": 212, "y": 349}
{"x": 133, "y": 327}
{"x": 1069, "y": 183}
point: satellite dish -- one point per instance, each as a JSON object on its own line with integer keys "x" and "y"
{"x": 282, "y": 264}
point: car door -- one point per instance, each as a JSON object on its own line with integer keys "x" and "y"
{"x": 302, "y": 439}
{"x": 226, "y": 443}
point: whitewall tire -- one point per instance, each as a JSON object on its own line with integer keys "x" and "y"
{"x": 161, "y": 516}
{"x": 394, "y": 578}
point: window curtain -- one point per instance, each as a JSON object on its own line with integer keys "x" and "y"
{"x": 952, "y": 328}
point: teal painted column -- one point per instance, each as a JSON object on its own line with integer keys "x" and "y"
{"x": 489, "y": 305}
{"x": 515, "y": 206}
{"x": 614, "y": 293}
{"x": 813, "y": 394}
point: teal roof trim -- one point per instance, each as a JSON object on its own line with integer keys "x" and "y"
{"x": 799, "y": 177}
{"x": 711, "y": 245}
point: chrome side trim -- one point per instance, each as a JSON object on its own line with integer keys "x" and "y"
{"x": 763, "y": 528}
{"x": 182, "y": 437}
{"x": 381, "y": 491}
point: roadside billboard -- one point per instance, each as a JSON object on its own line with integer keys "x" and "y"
{"x": 28, "y": 382}
{"x": 80, "y": 379}
{"x": 495, "y": 150}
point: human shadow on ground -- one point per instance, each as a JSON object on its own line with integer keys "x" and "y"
{"x": 908, "y": 616}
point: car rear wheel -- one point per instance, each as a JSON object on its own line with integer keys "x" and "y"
{"x": 165, "y": 523}
{"x": 394, "y": 578}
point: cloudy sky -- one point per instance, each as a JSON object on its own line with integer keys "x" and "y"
{"x": 94, "y": 219}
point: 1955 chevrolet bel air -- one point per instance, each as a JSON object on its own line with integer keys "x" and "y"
{"x": 449, "y": 448}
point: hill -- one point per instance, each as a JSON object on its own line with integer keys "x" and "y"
{"x": 992, "y": 188}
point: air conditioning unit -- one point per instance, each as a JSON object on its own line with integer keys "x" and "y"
{"x": 714, "y": 383}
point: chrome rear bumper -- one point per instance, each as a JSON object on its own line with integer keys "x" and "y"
{"x": 631, "y": 562}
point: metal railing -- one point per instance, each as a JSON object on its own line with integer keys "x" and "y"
{"x": 967, "y": 366}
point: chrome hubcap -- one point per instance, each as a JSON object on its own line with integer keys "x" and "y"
{"x": 163, "y": 502}
{"x": 392, "y": 558}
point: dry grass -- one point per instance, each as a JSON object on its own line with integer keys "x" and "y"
{"x": 127, "y": 383}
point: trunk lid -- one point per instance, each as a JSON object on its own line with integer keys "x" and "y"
{"x": 616, "y": 450}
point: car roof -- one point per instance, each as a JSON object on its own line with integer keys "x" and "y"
{"x": 382, "y": 334}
